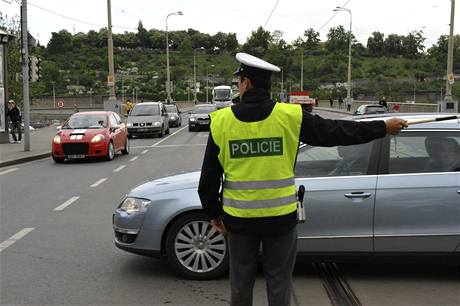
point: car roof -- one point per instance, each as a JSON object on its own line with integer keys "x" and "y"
{"x": 93, "y": 113}
{"x": 208, "y": 104}
{"x": 448, "y": 124}
{"x": 148, "y": 103}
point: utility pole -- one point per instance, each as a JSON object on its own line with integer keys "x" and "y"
{"x": 111, "y": 77}
{"x": 450, "y": 55}
{"x": 194, "y": 76}
{"x": 301, "y": 69}
{"x": 54, "y": 94}
{"x": 25, "y": 74}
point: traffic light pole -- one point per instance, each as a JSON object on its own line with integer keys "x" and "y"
{"x": 25, "y": 75}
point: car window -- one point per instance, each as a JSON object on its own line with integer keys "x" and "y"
{"x": 171, "y": 109}
{"x": 117, "y": 117}
{"x": 145, "y": 110}
{"x": 333, "y": 161}
{"x": 203, "y": 109}
{"x": 417, "y": 152}
{"x": 84, "y": 121}
{"x": 113, "y": 120}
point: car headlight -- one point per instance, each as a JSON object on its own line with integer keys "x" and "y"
{"x": 129, "y": 124}
{"x": 131, "y": 205}
{"x": 173, "y": 118}
{"x": 157, "y": 123}
{"x": 192, "y": 119}
{"x": 57, "y": 139}
{"x": 97, "y": 138}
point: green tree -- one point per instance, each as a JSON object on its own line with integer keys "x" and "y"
{"x": 143, "y": 36}
{"x": 231, "y": 45}
{"x": 337, "y": 40}
{"x": 311, "y": 39}
{"x": 393, "y": 45}
{"x": 60, "y": 42}
{"x": 375, "y": 44}
{"x": 258, "y": 43}
{"x": 413, "y": 44}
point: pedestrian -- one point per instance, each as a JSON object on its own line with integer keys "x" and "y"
{"x": 331, "y": 102}
{"x": 316, "y": 101}
{"x": 253, "y": 145}
{"x": 75, "y": 108}
{"x": 15, "y": 117}
{"x": 349, "y": 101}
{"x": 340, "y": 102}
{"x": 383, "y": 102}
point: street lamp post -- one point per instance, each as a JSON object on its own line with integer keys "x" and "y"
{"x": 168, "y": 81}
{"x": 450, "y": 55}
{"x": 341, "y": 9}
{"x": 207, "y": 83}
{"x": 111, "y": 77}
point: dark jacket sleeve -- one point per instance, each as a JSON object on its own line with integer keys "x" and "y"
{"x": 317, "y": 131}
{"x": 210, "y": 180}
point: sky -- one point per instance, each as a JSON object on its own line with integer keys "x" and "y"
{"x": 292, "y": 17}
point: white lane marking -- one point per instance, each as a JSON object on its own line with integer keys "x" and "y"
{"x": 66, "y": 203}
{"x": 119, "y": 168}
{"x": 8, "y": 171}
{"x": 10, "y": 241}
{"x": 134, "y": 158}
{"x": 182, "y": 145}
{"x": 145, "y": 151}
{"x": 157, "y": 143}
{"x": 102, "y": 180}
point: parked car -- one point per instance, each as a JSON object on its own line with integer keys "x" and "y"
{"x": 98, "y": 134}
{"x": 174, "y": 115}
{"x": 397, "y": 196}
{"x": 148, "y": 118}
{"x": 368, "y": 109}
{"x": 199, "y": 116}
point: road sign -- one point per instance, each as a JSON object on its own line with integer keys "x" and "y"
{"x": 60, "y": 103}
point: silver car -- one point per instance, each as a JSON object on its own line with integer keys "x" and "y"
{"x": 395, "y": 196}
{"x": 148, "y": 118}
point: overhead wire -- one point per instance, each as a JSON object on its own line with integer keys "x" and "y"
{"x": 75, "y": 19}
{"x": 273, "y": 9}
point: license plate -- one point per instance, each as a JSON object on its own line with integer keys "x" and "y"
{"x": 204, "y": 122}
{"x": 142, "y": 130}
{"x": 76, "y": 156}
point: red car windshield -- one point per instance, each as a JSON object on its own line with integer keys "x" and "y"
{"x": 86, "y": 122}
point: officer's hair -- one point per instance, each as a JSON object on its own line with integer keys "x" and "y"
{"x": 259, "y": 82}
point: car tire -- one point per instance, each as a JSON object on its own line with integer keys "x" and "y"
{"x": 190, "y": 129}
{"x": 110, "y": 151}
{"x": 125, "y": 150}
{"x": 194, "y": 249}
{"x": 130, "y": 136}
{"x": 58, "y": 160}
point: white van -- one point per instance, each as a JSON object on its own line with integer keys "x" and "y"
{"x": 222, "y": 96}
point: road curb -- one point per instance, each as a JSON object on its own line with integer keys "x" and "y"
{"x": 24, "y": 159}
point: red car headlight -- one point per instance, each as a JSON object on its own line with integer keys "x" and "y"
{"x": 97, "y": 138}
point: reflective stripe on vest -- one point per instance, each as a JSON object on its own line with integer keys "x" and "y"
{"x": 258, "y": 160}
{"x": 269, "y": 184}
{"x": 260, "y": 203}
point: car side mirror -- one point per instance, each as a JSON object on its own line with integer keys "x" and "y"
{"x": 114, "y": 127}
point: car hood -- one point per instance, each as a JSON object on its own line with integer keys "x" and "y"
{"x": 200, "y": 116}
{"x": 80, "y": 133}
{"x": 165, "y": 184}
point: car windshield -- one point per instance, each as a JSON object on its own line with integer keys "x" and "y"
{"x": 203, "y": 109}
{"x": 222, "y": 94}
{"x": 145, "y": 110}
{"x": 375, "y": 109}
{"x": 171, "y": 109}
{"x": 86, "y": 122}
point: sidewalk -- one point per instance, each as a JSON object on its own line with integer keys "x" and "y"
{"x": 40, "y": 147}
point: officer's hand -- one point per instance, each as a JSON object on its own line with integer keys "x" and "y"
{"x": 395, "y": 125}
{"x": 219, "y": 226}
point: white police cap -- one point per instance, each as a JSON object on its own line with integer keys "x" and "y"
{"x": 249, "y": 62}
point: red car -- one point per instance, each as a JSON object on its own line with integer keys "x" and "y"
{"x": 90, "y": 134}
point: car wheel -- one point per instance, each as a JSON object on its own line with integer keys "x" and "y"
{"x": 195, "y": 249}
{"x": 110, "y": 152}
{"x": 126, "y": 148}
{"x": 58, "y": 160}
{"x": 190, "y": 129}
{"x": 130, "y": 136}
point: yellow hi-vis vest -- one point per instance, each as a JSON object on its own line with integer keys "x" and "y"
{"x": 258, "y": 159}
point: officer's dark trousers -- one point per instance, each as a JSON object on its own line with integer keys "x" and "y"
{"x": 278, "y": 261}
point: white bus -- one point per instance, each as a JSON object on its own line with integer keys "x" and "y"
{"x": 222, "y": 96}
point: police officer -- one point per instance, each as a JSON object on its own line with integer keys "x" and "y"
{"x": 251, "y": 151}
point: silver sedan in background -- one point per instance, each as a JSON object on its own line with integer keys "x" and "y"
{"x": 397, "y": 196}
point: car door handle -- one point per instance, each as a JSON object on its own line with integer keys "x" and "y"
{"x": 355, "y": 195}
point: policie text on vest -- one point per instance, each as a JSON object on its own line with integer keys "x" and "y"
{"x": 256, "y": 147}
